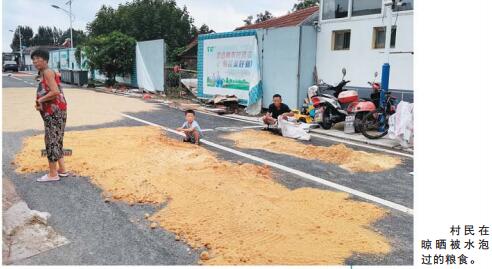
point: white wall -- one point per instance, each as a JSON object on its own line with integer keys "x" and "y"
{"x": 280, "y": 64}
{"x": 361, "y": 60}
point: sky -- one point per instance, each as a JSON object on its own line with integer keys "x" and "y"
{"x": 220, "y": 15}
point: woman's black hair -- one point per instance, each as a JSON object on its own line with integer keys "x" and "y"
{"x": 41, "y": 53}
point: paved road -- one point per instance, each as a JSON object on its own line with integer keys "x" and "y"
{"x": 103, "y": 233}
{"x": 15, "y": 80}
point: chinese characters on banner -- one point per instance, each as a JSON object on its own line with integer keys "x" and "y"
{"x": 230, "y": 67}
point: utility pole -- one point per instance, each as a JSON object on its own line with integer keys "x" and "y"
{"x": 20, "y": 44}
{"x": 69, "y": 3}
{"x": 71, "y": 36}
{"x": 20, "y": 47}
{"x": 385, "y": 74}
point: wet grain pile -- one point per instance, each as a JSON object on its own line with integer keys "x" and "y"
{"x": 349, "y": 159}
{"x": 237, "y": 211}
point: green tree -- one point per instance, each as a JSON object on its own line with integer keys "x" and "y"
{"x": 248, "y": 20}
{"x": 111, "y": 53}
{"x": 79, "y": 37}
{"x": 302, "y": 4}
{"x": 26, "y": 33}
{"x": 146, "y": 20}
{"x": 204, "y": 29}
{"x": 105, "y": 22}
{"x": 261, "y": 17}
{"x": 47, "y": 36}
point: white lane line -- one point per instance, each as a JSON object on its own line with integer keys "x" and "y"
{"x": 19, "y": 79}
{"x": 236, "y": 127}
{"x": 232, "y": 118}
{"x": 290, "y": 170}
{"x": 252, "y": 127}
{"x": 220, "y": 116}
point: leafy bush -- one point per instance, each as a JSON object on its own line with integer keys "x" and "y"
{"x": 113, "y": 54}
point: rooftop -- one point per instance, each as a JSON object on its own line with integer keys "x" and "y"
{"x": 292, "y": 19}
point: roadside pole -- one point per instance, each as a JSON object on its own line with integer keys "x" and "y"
{"x": 385, "y": 73}
{"x": 21, "y": 61}
{"x": 71, "y": 36}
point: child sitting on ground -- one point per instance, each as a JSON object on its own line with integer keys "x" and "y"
{"x": 191, "y": 128}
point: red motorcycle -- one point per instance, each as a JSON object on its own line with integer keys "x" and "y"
{"x": 334, "y": 108}
{"x": 374, "y": 124}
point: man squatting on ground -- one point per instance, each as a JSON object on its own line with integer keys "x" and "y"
{"x": 51, "y": 104}
{"x": 277, "y": 109}
{"x": 191, "y": 128}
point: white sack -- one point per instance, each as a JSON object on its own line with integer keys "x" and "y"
{"x": 401, "y": 124}
{"x": 292, "y": 130}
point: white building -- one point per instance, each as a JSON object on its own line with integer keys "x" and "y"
{"x": 352, "y": 35}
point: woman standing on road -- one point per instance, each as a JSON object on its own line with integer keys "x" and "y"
{"x": 52, "y": 106}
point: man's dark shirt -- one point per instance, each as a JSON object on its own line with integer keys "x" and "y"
{"x": 277, "y": 112}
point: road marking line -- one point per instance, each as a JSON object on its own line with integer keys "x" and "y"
{"x": 236, "y": 127}
{"x": 252, "y": 127}
{"x": 212, "y": 114}
{"x": 319, "y": 136}
{"x": 291, "y": 170}
{"x": 232, "y": 118}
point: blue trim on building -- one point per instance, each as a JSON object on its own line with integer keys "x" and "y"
{"x": 199, "y": 67}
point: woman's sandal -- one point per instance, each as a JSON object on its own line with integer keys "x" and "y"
{"x": 46, "y": 178}
{"x": 64, "y": 174}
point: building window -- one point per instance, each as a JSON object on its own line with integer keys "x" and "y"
{"x": 341, "y": 40}
{"x": 379, "y": 37}
{"x": 366, "y": 7}
{"x": 405, "y": 5}
{"x": 333, "y": 9}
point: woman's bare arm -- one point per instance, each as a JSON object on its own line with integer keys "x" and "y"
{"x": 49, "y": 75}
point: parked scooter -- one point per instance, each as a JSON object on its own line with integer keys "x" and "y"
{"x": 375, "y": 124}
{"x": 365, "y": 106}
{"x": 334, "y": 108}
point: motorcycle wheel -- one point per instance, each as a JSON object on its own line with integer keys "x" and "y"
{"x": 326, "y": 122}
{"x": 358, "y": 121}
{"x": 369, "y": 126}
